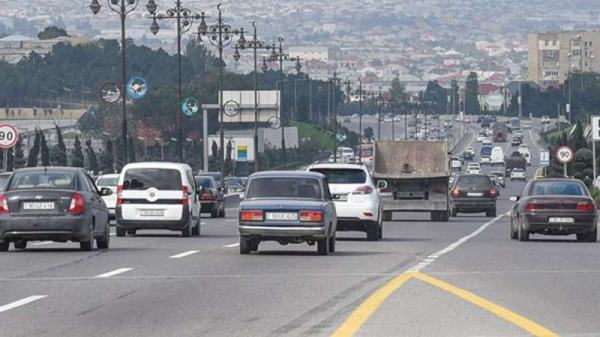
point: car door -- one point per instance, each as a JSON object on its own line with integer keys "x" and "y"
{"x": 99, "y": 209}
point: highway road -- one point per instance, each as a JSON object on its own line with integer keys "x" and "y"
{"x": 464, "y": 277}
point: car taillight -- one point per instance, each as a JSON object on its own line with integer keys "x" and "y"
{"x": 77, "y": 204}
{"x": 120, "y": 195}
{"x": 184, "y": 196}
{"x": 3, "y": 204}
{"x": 363, "y": 190}
{"x": 311, "y": 216}
{"x": 493, "y": 192}
{"x": 252, "y": 216}
{"x": 532, "y": 206}
{"x": 206, "y": 196}
{"x": 455, "y": 192}
{"x": 585, "y": 206}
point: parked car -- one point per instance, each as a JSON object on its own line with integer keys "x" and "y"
{"x": 473, "y": 193}
{"x": 518, "y": 174}
{"x": 158, "y": 195}
{"x": 554, "y": 206}
{"x": 356, "y": 199}
{"x": 212, "y": 199}
{"x": 109, "y": 181}
{"x": 287, "y": 207}
{"x": 53, "y": 203}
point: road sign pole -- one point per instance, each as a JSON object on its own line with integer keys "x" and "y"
{"x": 5, "y": 160}
{"x": 594, "y": 160}
{"x": 565, "y": 170}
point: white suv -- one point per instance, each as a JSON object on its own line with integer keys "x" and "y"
{"x": 357, "y": 201}
{"x": 157, "y": 196}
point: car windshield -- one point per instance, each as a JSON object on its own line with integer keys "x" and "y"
{"x": 145, "y": 178}
{"x": 343, "y": 176}
{"x": 557, "y": 188}
{"x": 473, "y": 181}
{"x": 206, "y": 182}
{"x": 43, "y": 180}
{"x": 107, "y": 181}
{"x": 284, "y": 187}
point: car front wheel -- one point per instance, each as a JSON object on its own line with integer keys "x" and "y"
{"x": 4, "y": 246}
{"x": 21, "y": 244}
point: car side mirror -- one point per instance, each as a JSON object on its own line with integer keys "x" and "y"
{"x": 514, "y": 198}
{"x": 382, "y": 184}
{"x": 105, "y": 191}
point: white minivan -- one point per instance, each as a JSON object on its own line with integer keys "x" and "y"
{"x": 156, "y": 195}
{"x": 497, "y": 156}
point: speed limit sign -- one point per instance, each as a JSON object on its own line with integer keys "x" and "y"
{"x": 8, "y": 136}
{"x": 564, "y": 154}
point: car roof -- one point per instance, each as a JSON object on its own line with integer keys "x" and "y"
{"x": 338, "y": 166}
{"x": 156, "y": 165}
{"x": 293, "y": 174}
{"x": 50, "y": 168}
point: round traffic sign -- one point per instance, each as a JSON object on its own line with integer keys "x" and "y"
{"x": 110, "y": 92}
{"x": 231, "y": 108}
{"x": 274, "y": 122}
{"x": 137, "y": 88}
{"x": 564, "y": 154}
{"x": 8, "y": 136}
{"x": 190, "y": 106}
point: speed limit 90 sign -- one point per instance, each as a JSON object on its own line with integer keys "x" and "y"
{"x": 8, "y": 136}
{"x": 564, "y": 154}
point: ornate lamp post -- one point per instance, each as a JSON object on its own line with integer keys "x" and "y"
{"x": 184, "y": 18}
{"x": 122, "y": 8}
{"x": 220, "y": 35}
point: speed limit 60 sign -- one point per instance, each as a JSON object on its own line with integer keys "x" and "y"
{"x": 8, "y": 136}
{"x": 564, "y": 154}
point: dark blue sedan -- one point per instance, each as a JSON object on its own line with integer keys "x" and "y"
{"x": 287, "y": 207}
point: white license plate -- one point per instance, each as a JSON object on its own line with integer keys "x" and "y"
{"x": 287, "y": 216}
{"x": 472, "y": 194}
{"x": 31, "y": 206}
{"x": 341, "y": 197}
{"x": 561, "y": 220}
{"x": 152, "y": 212}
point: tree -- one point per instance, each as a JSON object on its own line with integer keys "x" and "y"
{"x": 368, "y": 133}
{"x": 91, "y": 155}
{"x": 32, "y": 159}
{"x": 51, "y": 32}
{"x": 77, "y": 154}
{"x": 19, "y": 156}
{"x": 472, "y": 95}
{"x": 44, "y": 150}
{"x": 107, "y": 157}
{"x": 228, "y": 158}
{"x": 454, "y": 97}
{"x": 397, "y": 91}
{"x": 436, "y": 97}
{"x": 131, "y": 149}
{"x": 59, "y": 151}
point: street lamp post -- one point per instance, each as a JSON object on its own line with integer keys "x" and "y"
{"x": 255, "y": 44}
{"x": 184, "y": 18}
{"x": 122, "y": 8}
{"x": 379, "y": 103}
{"x": 220, "y": 35}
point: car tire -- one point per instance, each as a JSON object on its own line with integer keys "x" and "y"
{"x": 196, "y": 230}
{"x": 513, "y": 234}
{"x": 491, "y": 213}
{"x": 254, "y": 245}
{"x": 332, "y": 244}
{"x": 387, "y": 216}
{"x": 593, "y": 235}
{"x": 4, "y": 246}
{"x": 87, "y": 245}
{"x": 453, "y": 212}
{"x": 373, "y": 233}
{"x": 131, "y": 232}
{"x": 104, "y": 241}
{"x": 121, "y": 232}
{"x": 380, "y": 230}
{"x": 244, "y": 246}
{"x": 186, "y": 231}
{"x": 443, "y": 216}
{"x": 323, "y": 246}
{"x": 214, "y": 213}
{"x": 21, "y": 244}
{"x": 522, "y": 234}
{"x": 222, "y": 213}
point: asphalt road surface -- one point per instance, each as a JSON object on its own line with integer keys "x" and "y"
{"x": 464, "y": 277}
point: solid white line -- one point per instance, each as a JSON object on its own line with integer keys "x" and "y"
{"x": 232, "y": 245}
{"x": 431, "y": 258}
{"x": 43, "y": 243}
{"x": 113, "y": 273}
{"x": 184, "y": 254}
{"x": 21, "y": 302}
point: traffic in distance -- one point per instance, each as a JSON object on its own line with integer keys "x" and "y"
{"x": 381, "y": 193}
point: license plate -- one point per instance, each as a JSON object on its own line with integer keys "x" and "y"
{"x": 561, "y": 220}
{"x": 287, "y": 216}
{"x": 472, "y": 194}
{"x": 36, "y": 206}
{"x": 152, "y": 212}
{"x": 340, "y": 197}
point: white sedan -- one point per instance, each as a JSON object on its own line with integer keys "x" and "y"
{"x": 357, "y": 200}
{"x": 518, "y": 174}
{"x": 473, "y": 168}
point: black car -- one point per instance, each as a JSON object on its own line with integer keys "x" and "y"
{"x": 212, "y": 198}
{"x": 58, "y": 203}
{"x": 473, "y": 193}
{"x": 516, "y": 141}
{"x": 468, "y": 155}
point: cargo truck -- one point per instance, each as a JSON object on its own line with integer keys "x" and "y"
{"x": 412, "y": 177}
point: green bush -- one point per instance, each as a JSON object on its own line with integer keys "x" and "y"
{"x": 595, "y": 194}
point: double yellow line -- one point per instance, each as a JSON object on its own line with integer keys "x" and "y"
{"x": 359, "y": 316}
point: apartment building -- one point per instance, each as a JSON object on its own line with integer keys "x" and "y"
{"x": 552, "y": 56}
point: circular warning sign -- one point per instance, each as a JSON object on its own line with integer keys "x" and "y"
{"x": 564, "y": 154}
{"x": 110, "y": 92}
{"x": 8, "y": 136}
{"x": 231, "y": 108}
{"x": 190, "y": 106}
{"x": 274, "y": 122}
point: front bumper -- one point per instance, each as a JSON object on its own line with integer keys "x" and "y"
{"x": 57, "y": 228}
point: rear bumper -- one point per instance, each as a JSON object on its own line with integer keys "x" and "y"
{"x": 208, "y": 206}
{"x": 353, "y": 210}
{"x": 61, "y": 228}
{"x": 298, "y": 232}
{"x": 178, "y": 224}
{"x": 473, "y": 204}
{"x": 355, "y": 224}
{"x": 539, "y": 223}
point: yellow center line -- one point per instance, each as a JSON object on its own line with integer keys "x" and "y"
{"x": 361, "y": 314}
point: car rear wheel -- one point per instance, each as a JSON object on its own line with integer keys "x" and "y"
{"x": 323, "y": 246}
{"x": 196, "y": 229}
{"x": 4, "y": 246}
{"x": 513, "y": 233}
{"x": 453, "y": 212}
{"x": 131, "y": 232}
{"x": 104, "y": 241}
{"x": 21, "y": 244}
{"x": 373, "y": 233}
{"x": 222, "y": 213}
{"x": 332, "y": 244}
{"x": 186, "y": 232}
{"x": 254, "y": 245}
{"x": 244, "y": 246}
{"x": 214, "y": 213}
{"x": 589, "y": 236}
{"x": 522, "y": 234}
{"x": 87, "y": 245}
{"x": 121, "y": 232}
{"x": 490, "y": 213}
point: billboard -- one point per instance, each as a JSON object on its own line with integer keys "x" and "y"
{"x": 238, "y": 105}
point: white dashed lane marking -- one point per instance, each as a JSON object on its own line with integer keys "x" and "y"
{"x": 184, "y": 254}
{"x": 21, "y": 302}
{"x": 114, "y": 272}
{"x": 232, "y": 245}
